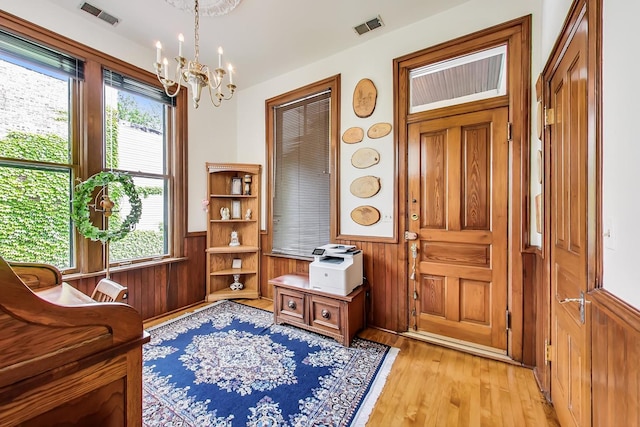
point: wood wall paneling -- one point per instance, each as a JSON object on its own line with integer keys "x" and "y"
{"x": 615, "y": 372}
{"x": 160, "y": 288}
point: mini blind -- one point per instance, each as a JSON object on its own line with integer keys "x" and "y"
{"x": 21, "y": 51}
{"x": 128, "y": 84}
{"x": 301, "y": 193}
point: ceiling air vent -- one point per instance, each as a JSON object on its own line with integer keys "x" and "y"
{"x": 99, "y": 13}
{"x": 371, "y": 24}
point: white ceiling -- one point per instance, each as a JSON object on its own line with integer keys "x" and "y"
{"x": 261, "y": 38}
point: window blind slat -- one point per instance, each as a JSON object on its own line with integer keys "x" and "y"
{"x": 121, "y": 82}
{"x": 20, "y": 51}
{"x": 302, "y": 176}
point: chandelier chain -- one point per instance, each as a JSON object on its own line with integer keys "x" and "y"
{"x": 197, "y": 31}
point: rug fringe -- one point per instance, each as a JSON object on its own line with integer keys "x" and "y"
{"x": 362, "y": 416}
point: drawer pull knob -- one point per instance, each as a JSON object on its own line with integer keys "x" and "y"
{"x": 291, "y": 304}
{"x": 325, "y": 313}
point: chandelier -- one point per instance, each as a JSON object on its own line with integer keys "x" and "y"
{"x": 193, "y": 73}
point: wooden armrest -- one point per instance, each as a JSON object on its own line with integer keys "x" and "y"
{"x": 37, "y": 275}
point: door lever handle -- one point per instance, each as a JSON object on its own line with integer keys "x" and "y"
{"x": 566, "y": 300}
{"x": 581, "y": 301}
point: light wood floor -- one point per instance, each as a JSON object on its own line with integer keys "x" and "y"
{"x": 436, "y": 386}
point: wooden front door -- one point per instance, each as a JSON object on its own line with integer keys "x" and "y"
{"x": 458, "y": 196}
{"x": 568, "y": 214}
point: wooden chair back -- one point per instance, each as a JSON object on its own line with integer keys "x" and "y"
{"x": 109, "y": 291}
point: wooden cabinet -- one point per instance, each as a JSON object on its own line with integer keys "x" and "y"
{"x": 335, "y": 316}
{"x": 233, "y": 231}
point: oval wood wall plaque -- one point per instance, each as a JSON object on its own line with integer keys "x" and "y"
{"x": 353, "y": 135}
{"x": 364, "y": 98}
{"x": 379, "y": 130}
{"x": 365, "y": 186}
{"x": 365, "y": 215}
{"x": 365, "y": 157}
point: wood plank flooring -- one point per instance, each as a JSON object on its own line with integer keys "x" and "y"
{"x": 436, "y": 386}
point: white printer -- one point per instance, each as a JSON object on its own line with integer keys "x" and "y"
{"x": 336, "y": 269}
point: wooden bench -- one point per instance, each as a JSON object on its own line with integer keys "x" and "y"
{"x": 66, "y": 359}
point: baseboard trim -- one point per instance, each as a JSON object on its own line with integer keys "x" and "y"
{"x": 465, "y": 347}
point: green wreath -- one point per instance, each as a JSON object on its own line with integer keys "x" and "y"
{"x": 83, "y": 197}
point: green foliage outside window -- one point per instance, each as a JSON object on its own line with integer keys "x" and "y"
{"x": 35, "y": 206}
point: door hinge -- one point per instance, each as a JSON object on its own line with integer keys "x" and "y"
{"x": 413, "y": 312}
{"x": 547, "y": 352}
{"x": 509, "y": 131}
{"x": 415, "y": 295}
{"x": 549, "y": 117}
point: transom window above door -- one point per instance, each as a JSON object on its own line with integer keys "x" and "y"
{"x": 471, "y": 77}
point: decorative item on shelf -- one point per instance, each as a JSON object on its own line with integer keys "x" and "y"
{"x": 247, "y": 215}
{"x": 236, "y": 263}
{"x": 379, "y": 130}
{"x": 234, "y": 239}
{"x": 236, "y": 185}
{"x": 224, "y": 213}
{"x": 236, "y": 285}
{"x": 353, "y": 135}
{"x": 192, "y": 73}
{"x": 235, "y": 209}
{"x": 364, "y": 98}
{"x": 102, "y": 204}
{"x": 247, "y": 185}
{"x": 365, "y": 157}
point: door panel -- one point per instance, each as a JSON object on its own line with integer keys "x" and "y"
{"x": 458, "y": 189}
{"x": 570, "y": 338}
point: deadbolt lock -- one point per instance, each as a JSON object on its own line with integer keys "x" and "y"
{"x": 415, "y": 216}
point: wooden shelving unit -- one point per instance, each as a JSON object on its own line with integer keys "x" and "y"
{"x": 220, "y": 255}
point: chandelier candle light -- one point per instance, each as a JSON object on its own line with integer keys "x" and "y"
{"x": 194, "y": 73}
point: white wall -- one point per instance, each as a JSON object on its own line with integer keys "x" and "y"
{"x": 212, "y": 133}
{"x": 373, "y": 60}
{"x": 621, "y": 146}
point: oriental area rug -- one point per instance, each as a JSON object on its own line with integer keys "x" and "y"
{"x": 228, "y": 364}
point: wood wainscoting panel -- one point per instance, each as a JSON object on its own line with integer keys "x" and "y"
{"x": 536, "y": 314}
{"x": 160, "y": 288}
{"x": 615, "y": 338}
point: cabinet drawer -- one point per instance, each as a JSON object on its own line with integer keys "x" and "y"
{"x": 290, "y": 305}
{"x": 325, "y": 314}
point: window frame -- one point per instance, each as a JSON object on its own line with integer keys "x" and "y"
{"x": 87, "y": 134}
{"x": 332, "y": 84}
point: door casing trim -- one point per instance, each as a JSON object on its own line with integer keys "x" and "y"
{"x": 517, "y": 35}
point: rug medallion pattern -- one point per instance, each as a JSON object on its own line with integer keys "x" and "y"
{"x": 229, "y": 365}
